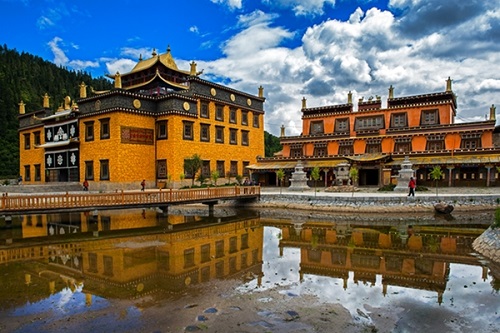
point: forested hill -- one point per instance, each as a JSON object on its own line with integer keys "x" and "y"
{"x": 26, "y": 77}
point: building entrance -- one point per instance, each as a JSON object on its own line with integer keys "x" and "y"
{"x": 368, "y": 177}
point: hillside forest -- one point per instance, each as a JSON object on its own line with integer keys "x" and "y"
{"x": 27, "y": 77}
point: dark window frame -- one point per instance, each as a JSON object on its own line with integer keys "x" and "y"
{"x": 105, "y": 128}
{"x": 89, "y": 131}
{"x": 188, "y": 130}
{"x": 104, "y": 173}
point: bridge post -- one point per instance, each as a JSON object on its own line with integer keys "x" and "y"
{"x": 211, "y": 209}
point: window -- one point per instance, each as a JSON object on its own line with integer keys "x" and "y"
{"x": 204, "y": 132}
{"x": 244, "y": 260}
{"x": 470, "y": 141}
{"x": 219, "y": 249}
{"x": 320, "y": 151}
{"x": 435, "y": 142}
{"x": 92, "y": 262}
{"x": 27, "y": 173}
{"x": 108, "y": 265}
{"x": 244, "y": 138}
{"x": 233, "y": 244}
{"x": 232, "y": 115}
{"x": 205, "y": 253}
{"x": 341, "y": 125}
{"x": 234, "y": 168}
{"x": 164, "y": 261}
{"x": 316, "y": 127}
{"x": 232, "y": 265}
{"x": 161, "y": 130}
{"x": 89, "y": 131}
{"x": 188, "y": 130}
{"x": 256, "y": 120}
{"x": 27, "y": 142}
{"x": 89, "y": 170}
{"x": 205, "y": 274}
{"x": 204, "y": 110}
{"x": 398, "y": 120}
{"x": 369, "y": 123}
{"x": 401, "y": 147}
{"x": 429, "y": 117}
{"x": 233, "y": 136}
{"x": 346, "y": 147}
{"x": 470, "y": 144}
{"x": 373, "y": 146}
{"x": 104, "y": 175}
{"x": 246, "y": 173}
{"x": 205, "y": 169}
{"x": 244, "y": 117}
{"x": 219, "y": 134}
{"x": 244, "y": 241}
{"x": 37, "y": 138}
{"x": 220, "y": 168}
{"x": 104, "y": 128}
{"x": 219, "y": 269}
{"x": 38, "y": 172}
{"x": 219, "y": 112}
{"x": 161, "y": 169}
{"x": 188, "y": 258}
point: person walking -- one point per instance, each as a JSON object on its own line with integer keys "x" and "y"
{"x": 85, "y": 185}
{"x": 143, "y": 184}
{"x": 411, "y": 185}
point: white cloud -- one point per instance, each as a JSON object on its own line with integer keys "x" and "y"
{"x": 60, "y": 57}
{"x": 119, "y": 65}
{"x": 301, "y": 7}
{"x": 232, "y": 4}
{"x": 194, "y": 29}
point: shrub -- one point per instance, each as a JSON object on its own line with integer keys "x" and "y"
{"x": 387, "y": 188}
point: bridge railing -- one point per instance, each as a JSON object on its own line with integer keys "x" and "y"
{"x": 121, "y": 198}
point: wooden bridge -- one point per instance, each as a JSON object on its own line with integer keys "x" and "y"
{"x": 34, "y": 203}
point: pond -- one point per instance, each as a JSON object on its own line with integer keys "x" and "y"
{"x": 143, "y": 270}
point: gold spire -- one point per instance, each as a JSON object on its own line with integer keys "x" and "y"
{"x": 140, "y": 57}
{"x": 46, "y": 104}
{"x": 304, "y": 105}
{"x": 391, "y": 92}
{"x": 67, "y": 103}
{"x": 261, "y": 91}
{"x": 83, "y": 90}
{"x": 22, "y": 109}
{"x": 282, "y": 134}
{"x": 493, "y": 112}
{"x": 448, "y": 85}
{"x": 192, "y": 72}
{"x": 118, "y": 80}
{"x": 349, "y": 97}
{"x": 154, "y": 53}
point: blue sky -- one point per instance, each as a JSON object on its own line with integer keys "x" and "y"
{"x": 317, "y": 49}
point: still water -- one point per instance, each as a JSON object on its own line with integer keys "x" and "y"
{"x": 146, "y": 271}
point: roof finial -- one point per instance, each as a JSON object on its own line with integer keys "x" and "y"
{"x": 493, "y": 112}
{"x": 140, "y": 56}
{"x": 193, "y": 68}
{"x": 261, "y": 91}
{"x": 349, "y": 97}
{"x": 391, "y": 92}
{"x": 118, "y": 80}
{"x": 168, "y": 48}
{"x": 22, "y": 110}
{"x": 448, "y": 85}
{"x": 282, "y": 134}
{"x": 154, "y": 53}
{"x": 46, "y": 101}
{"x": 83, "y": 90}
{"x": 304, "y": 104}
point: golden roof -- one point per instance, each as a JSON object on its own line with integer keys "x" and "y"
{"x": 276, "y": 165}
{"x": 166, "y": 59}
{"x": 436, "y": 160}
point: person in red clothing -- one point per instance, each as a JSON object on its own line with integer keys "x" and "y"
{"x": 143, "y": 184}
{"x": 411, "y": 185}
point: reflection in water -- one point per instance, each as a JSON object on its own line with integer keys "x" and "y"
{"x": 81, "y": 261}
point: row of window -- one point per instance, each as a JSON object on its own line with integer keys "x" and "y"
{"x": 370, "y": 148}
{"x": 188, "y": 134}
{"x": 162, "y": 171}
{"x": 398, "y": 120}
{"x": 233, "y": 114}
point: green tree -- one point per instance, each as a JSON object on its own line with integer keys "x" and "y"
{"x": 281, "y": 176}
{"x": 436, "y": 174}
{"x": 353, "y": 174}
{"x": 272, "y": 144}
{"x": 192, "y": 166}
{"x": 214, "y": 176}
{"x": 239, "y": 179}
{"x": 315, "y": 177}
{"x": 182, "y": 176}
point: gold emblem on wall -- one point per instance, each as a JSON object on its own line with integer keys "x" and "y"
{"x": 249, "y": 102}
{"x": 213, "y": 92}
{"x": 137, "y": 103}
{"x": 233, "y": 97}
{"x": 186, "y": 106}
